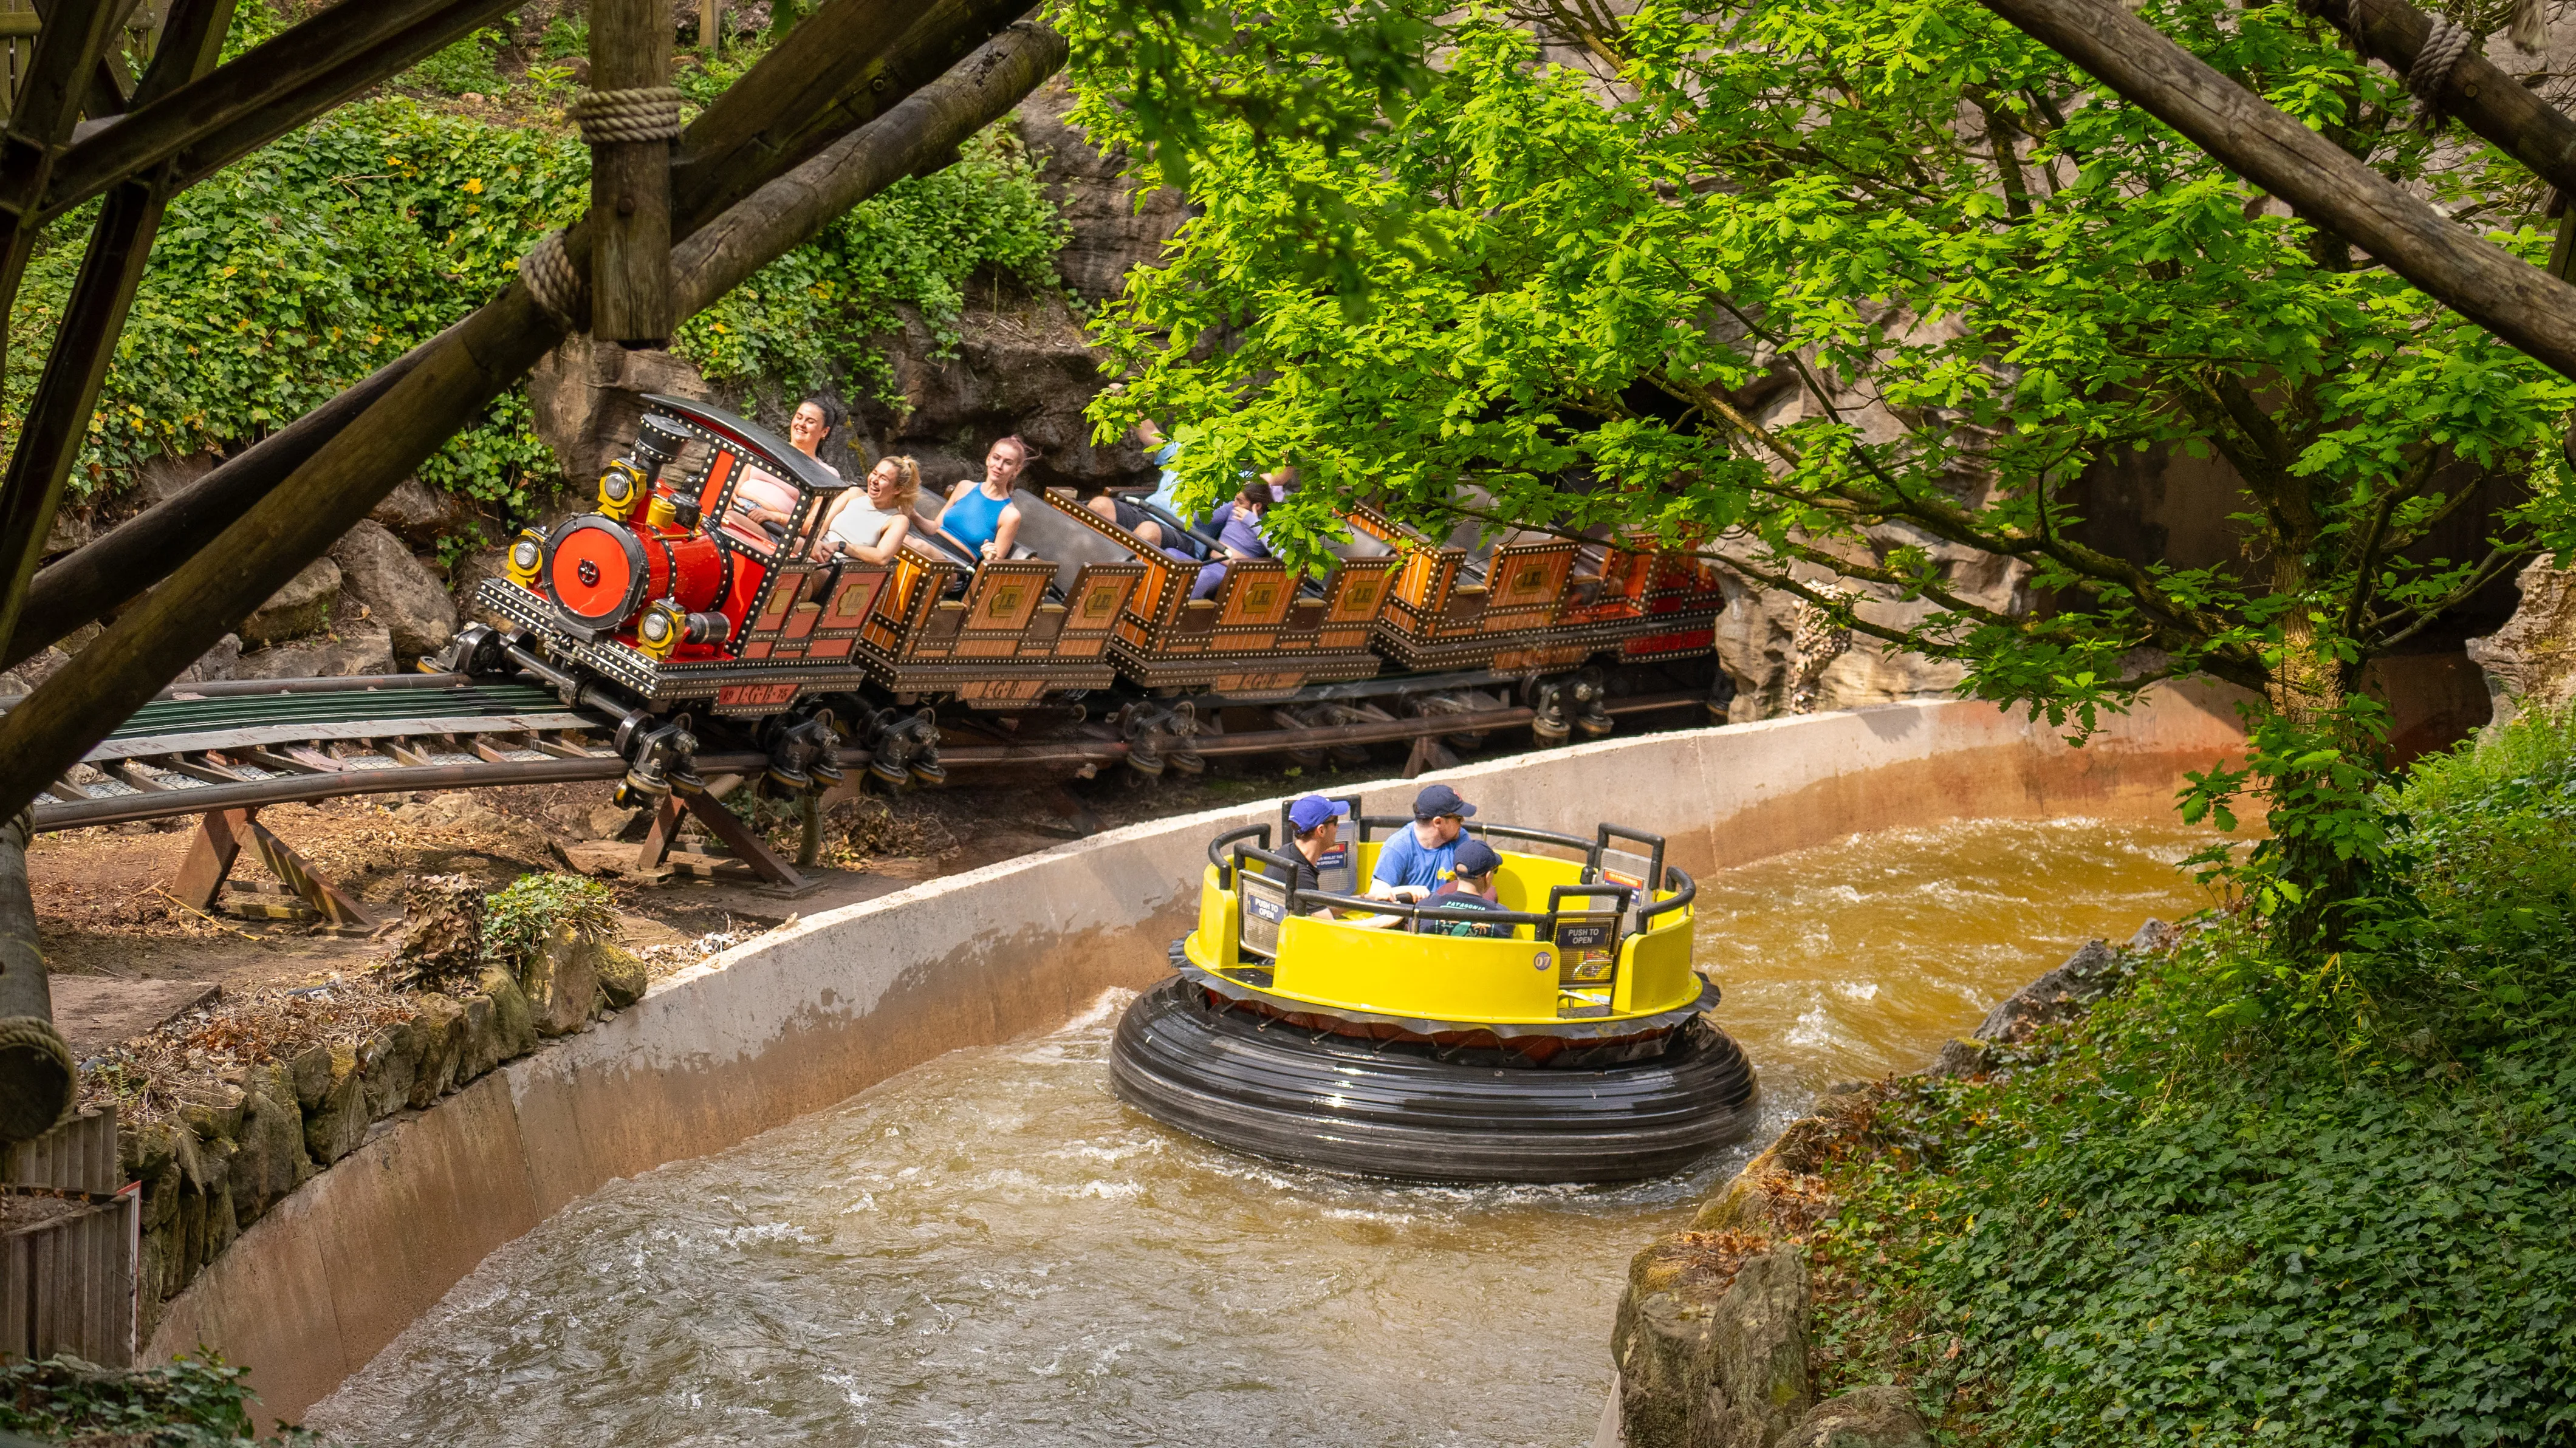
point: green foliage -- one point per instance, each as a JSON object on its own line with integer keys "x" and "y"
{"x": 466, "y": 66}
{"x": 2340, "y": 1219}
{"x": 325, "y": 255}
{"x": 814, "y": 313}
{"x": 190, "y": 1403}
{"x": 1825, "y": 286}
{"x": 518, "y": 919}
{"x": 307, "y": 265}
{"x": 568, "y": 34}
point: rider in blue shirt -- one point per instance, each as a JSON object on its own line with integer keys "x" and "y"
{"x": 1424, "y": 855}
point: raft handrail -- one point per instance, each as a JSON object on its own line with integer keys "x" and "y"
{"x": 1509, "y": 832}
{"x": 1682, "y": 895}
{"x": 1216, "y": 851}
{"x": 1415, "y": 912}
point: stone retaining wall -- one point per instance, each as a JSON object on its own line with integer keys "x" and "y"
{"x": 805, "y": 1016}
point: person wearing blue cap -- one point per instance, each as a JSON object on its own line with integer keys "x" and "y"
{"x": 1317, "y": 845}
{"x": 1471, "y": 889}
{"x": 1424, "y": 856}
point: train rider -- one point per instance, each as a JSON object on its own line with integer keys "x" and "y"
{"x": 980, "y": 513}
{"x": 1128, "y": 516}
{"x": 764, "y": 498}
{"x": 1472, "y": 888}
{"x": 1424, "y": 855}
{"x": 1238, "y": 526}
{"x": 871, "y": 527}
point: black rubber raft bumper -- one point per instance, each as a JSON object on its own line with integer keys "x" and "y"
{"x": 1417, "y": 1112}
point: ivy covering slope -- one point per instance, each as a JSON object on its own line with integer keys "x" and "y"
{"x": 312, "y": 262}
{"x": 2343, "y": 1221}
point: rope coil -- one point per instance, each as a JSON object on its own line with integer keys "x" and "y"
{"x": 2443, "y": 50}
{"x": 552, "y": 279}
{"x": 645, "y": 113}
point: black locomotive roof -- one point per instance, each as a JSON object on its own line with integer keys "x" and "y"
{"x": 760, "y": 446}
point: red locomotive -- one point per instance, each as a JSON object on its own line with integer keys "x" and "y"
{"x": 696, "y": 589}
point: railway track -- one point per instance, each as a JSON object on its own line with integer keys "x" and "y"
{"x": 244, "y": 744}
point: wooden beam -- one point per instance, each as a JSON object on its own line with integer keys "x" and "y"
{"x": 2478, "y": 91}
{"x": 2521, "y": 304}
{"x": 263, "y": 93}
{"x": 120, "y": 243}
{"x": 152, "y": 642}
{"x": 142, "y": 551}
{"x": 851, "y": 61}
{"x": 630, "y": 181}
{"x": 211, "y": 853}
{"x": 37, "y": 1078}
{"x": 50, "y": 97}
{"x": 916, "y": 137}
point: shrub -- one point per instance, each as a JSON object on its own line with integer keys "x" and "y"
{"x": 518, "y": 919}
{"x": 189, "y": 1403}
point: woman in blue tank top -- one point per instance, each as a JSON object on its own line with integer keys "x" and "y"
{"x": 981, "y": 515}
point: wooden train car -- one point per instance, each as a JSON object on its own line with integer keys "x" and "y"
{"x": 1533, "y": 602}
{"x": 1266, "y": 633}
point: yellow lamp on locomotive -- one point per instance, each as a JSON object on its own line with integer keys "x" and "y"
{"x": 661, "y": 629}
{"x": 527, "y": 558}
{"x": 661, "y": 512}
{"x": 622, "y": 489}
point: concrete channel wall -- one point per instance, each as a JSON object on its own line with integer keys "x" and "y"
{"x": 805, "y": 1016}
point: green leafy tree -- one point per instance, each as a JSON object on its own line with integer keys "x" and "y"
{"x": 1859, "y": 287}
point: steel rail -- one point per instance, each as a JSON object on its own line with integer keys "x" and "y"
{"x": 351, "y": 780}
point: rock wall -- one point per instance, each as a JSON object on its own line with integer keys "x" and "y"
{"x": 2531, "y": 660}
{"x": 240, "y": 1143}
{"x": 1712, "y": 1334}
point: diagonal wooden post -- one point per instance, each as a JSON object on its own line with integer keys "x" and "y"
{"x": 150, "y": 643}
{"x": 765, "y": 124}
{"x": 50, "y": 100}
{"x": 2521, "y": 304}
{"x": 57, "y": 420}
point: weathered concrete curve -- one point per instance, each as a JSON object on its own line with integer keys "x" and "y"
{"x": 803, "y": 1017}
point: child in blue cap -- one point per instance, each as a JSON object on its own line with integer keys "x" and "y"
{"x": 1471, "y": 889}
{"x": 1423, "y": 857}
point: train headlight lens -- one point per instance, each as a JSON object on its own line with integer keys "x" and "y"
{"x": 527, "y": 557}
{"x": 660, "y": 630}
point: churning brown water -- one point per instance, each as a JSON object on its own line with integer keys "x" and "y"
{"x": 991, "y": 1250}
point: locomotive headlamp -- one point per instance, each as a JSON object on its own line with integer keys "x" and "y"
{"x": 527, "y": 558}
{"x": 661, "y": 629}
{"x": 621, "y": 490}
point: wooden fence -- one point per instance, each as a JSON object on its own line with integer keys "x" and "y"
{"x": 67, "y": 1282}
{"x": 18, "y": 43}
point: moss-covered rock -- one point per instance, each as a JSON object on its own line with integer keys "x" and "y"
{"x": 561, "y": 978}
{"x": 439, "y": 1031}
{"x": 622, "y": 979}
{"x": 389, "y": 1062}
{"x": 335, "y": 1126}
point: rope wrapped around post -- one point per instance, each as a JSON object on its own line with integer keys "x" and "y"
{"x": 644, "y": 113}
{"x": 2442, "y": 52}
{"x": 558, "y": 286}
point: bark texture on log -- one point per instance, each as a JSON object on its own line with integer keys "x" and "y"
{"x": 630, "y": 181}
{"x": 2522, "y": 304}
{"x": 37, "y": 1079}
{"x": 2478, "y": 91}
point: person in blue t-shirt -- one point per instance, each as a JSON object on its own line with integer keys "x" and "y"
{"x": 1424, "y": 855}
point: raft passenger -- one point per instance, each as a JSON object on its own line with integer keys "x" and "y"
{"x": 980, "y": 513}
{"x": 1471, "y": 889}
{"x": 871, "y": 529}
{"x": 1424, "y": 856}
{"x": 1238, "y": 536}
{"x": 1317, "y": 822}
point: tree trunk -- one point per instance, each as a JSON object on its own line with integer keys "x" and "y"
{"x": 37, "y": 1078}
